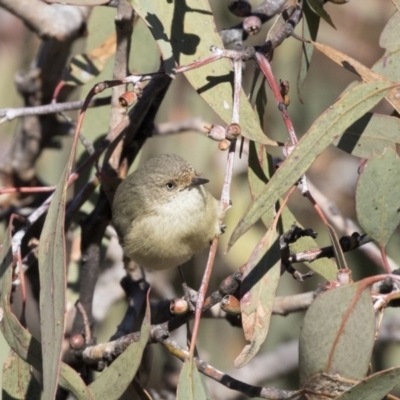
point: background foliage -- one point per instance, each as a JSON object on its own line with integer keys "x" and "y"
{"x": 355, "y": 180}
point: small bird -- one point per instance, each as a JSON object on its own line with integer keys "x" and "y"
{"x": 163, "y": 214}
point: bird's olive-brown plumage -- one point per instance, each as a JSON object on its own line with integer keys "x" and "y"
{"x": 162, "y": 213}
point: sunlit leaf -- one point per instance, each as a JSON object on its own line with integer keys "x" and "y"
{"x": 338, "y": 334}
{"x": 367, "y": 74}
{"x": 112, "y": 383}
{"x": 85, "y": 67}
{"x": 388, "y": 65}
{"x": 257, "y": 294}
{"x": 182, "y": 26}
{"x": 369, "y": 135}
{"x": 375, "y": 386}
{"x": 154, "y": 15}
{"x": 323, "y": 132}
{"x": 190, "y": 384}
{"x": 389, "y": 38}
{"x": 377, "y": 196}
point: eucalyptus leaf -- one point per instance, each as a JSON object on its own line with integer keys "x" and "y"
{"x": 370, "y": 135}
{"x": 257, "y": 294}
{"x": 338, "y": 334}
{"x": 375, "y": 386}
{"x": 377, "y": 195}
{"x": 190, "y": 384}
{"x": 323, "y": 132}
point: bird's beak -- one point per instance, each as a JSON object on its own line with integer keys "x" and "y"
{"x": 196, "y": 181}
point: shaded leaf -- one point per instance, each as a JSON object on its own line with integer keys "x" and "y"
{"x": 183, "y": 25}
{"x": 190, "y": 384}
{"x": 317, "y": 7}
{"x": 323, "y": 132}
{"x": 112, "y": 383}
{"x": 337, "y": 248}
{"x": 368, "y": 75}
{"x": 260, "y": 165}
{"x": 18, "y": 380}
{"x": 338, "y": 334}
{"x": 324, "y": 267}
{"x": 20, "y": 340}
{"x": 85, "y": 67}
{"x": 369, "y": 135}
{"x": 377, "y": 196}
{"x": 376, "y": 386}
{"x": 310, "y": 30}
{"x": 257, "y": 294}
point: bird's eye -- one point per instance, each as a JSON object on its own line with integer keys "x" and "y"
{"x": 170, "y": 185}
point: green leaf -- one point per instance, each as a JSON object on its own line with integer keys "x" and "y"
{"x": 377, "y": 196}
{"x": 18, "y": 380}
{"x": 112, "y": 383}
{"x": 317, "y": 7}
{"x": 367, "y": 74}
{"x": 257, "y": 294}
{"x": 369, "y": 135}
{"x": 338, "y": 334}
{"x": 376, "y": 386}
{"x": 389, "y": 39}
{"x": 260, "y": 165}
{"x": 154, "y": 16}
{"x": 388, "y": 65}
{"x": 322, "y": 133}
{"x": 324, "y": 267}
{"x": 310, "y": 30}
{"x": 52, "y": 274}
{"x": 182, "y": 25}
{"x": 190, "y": 384}
{"x": 83, "y": 68}
{"x": 19, "y": 339}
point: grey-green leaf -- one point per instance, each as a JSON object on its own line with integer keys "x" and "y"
{"x": 376, "y": 386}
{"x": 377, "y": 196}
{"x": 369, "y": 135}
{"x": 182, "y": 25}
{"x": 257, "y": 294}
{"x": 20, "y": 340}
{"x": 338, "y": 334}
{"x": 323, "y": 132}
{"x": 18, "y": 380}
{"x": 112, "y": 383}
{"x": 52, "y": 274}
{"x": 190, "y": 384}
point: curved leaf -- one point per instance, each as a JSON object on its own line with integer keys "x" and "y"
{"x": 338, "y": 334}
{"x": 190, "y": 384}
{"x": 323, "y": 132}
{"x": 377, "y": 196}
{"x": 368, "y": 75}
{"x": 18, "y": 380}
{"x": 182, "y": 25}
{"x": 19, "y": 339}
{"x": 260, "y": 166}
{"x": 257, "y": 294}
{"x": 369, "y": 135}
{"x": 112, "y": 383}
{"x": 376, "y": 386}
